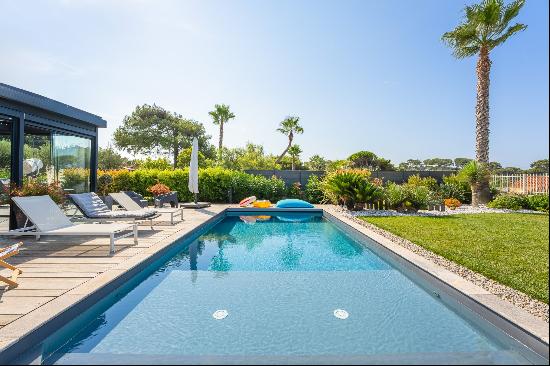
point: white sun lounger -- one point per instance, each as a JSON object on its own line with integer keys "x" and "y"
{"x": 49, "y": 219}
{"x": 130, "y": 205}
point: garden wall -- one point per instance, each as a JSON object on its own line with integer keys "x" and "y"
{"x": 292, "y": 176}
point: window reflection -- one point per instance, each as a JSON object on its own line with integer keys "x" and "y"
{"x": 54, "y": 157}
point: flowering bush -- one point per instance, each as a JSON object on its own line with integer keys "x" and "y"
{"x": 452, "y": 203}
{"x": 32, "y": 187}
{"x": 159, "y": 189}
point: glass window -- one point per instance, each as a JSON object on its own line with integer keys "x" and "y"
{"x": 71, "y": 160}
{"x": 55, "y": 157}
{"x": 5, "y": 169}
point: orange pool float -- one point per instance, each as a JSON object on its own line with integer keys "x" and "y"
{"x": 262, "y": 204}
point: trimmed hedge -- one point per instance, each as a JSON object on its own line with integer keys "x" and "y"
{"x": 215, "y": 184}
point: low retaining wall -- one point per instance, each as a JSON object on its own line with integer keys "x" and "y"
{"x": 302, "y": 176}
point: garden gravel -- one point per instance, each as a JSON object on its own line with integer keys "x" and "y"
{"x": 533, "y": 306}
{"x": 464, "y": 209}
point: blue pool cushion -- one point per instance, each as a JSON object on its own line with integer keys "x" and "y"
{"x": 293, "y": 203}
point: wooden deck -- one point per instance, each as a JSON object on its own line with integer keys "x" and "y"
{"x": 54, "y": 266}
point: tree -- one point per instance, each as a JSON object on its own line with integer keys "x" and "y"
{"x": 539, "y": 166}
{"x": 486, "y": 26}
{"x": 412, "y": 164}
{"x": 461, "y": 162}
{"x": 494, "y": 166}
{"x": 369, "y": 160}
{"x": 221, "y": 115}
{"x": 108, "y": 159}
{"x": 250, "y": 157}
{"x": 438, "y": 164}
{"x": 152, "y": 128}
{"x": 289, "y": 126}
{"x": 184, "y": 159}
{"x": 294, "y": 152}
{"x": 317, "y": 162}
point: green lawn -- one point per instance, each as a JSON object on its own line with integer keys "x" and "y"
{"x": 509, "y": 248}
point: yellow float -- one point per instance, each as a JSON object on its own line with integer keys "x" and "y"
{"x": 262, "y": 204}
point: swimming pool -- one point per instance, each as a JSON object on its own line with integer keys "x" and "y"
{"x": 278, "y": 288}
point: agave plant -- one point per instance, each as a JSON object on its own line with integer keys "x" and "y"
{"x": 476, "y": 174}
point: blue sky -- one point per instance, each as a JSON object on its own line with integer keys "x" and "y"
{"x": 362, "y": 75}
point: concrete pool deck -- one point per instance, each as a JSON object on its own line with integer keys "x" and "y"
{"x": 59, "y": 273}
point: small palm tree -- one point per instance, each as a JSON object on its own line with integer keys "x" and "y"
{"x": 221, "y": 115}
{"x": 485, "y": 26}
{"x": 294, "y": 152}
{"x": 289, "y": 127}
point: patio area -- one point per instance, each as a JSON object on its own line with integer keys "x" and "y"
{"x": 60, "y": 271}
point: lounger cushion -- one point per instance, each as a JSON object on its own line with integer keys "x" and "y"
{"x": 93, "y": 207}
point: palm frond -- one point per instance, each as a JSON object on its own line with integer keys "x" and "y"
{"x": 509, "y": 32}
{"x": 484, "y": 25}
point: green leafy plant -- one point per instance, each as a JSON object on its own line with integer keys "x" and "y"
{"x": 407, "y": 198}
{"x": 476, "y": 174}
{"x": 314, "y": 189}
{"x": 343, "y": 185}
{"x": 295, "y": 190}
{"x": 454, "y": 187}
{"x": 538, "y": 202}
{"x": 509, "y": 201}
{"x": 428, "y": 182}
{"x": 104, "y": 182}
{"x": 216, "y": 184}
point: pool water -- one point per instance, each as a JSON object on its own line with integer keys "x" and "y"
{"x": 278, "y": 280}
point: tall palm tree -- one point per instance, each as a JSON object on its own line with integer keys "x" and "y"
{"x": 294, "y": 151}
{"x": 221, "y": 115}
{"x": 485, "y": 26}
{"x": 289, "y": 127}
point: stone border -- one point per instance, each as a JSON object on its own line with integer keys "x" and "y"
{"x": 519, "y": 317}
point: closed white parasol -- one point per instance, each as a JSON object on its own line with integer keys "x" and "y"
{"x": 194, "y": 169}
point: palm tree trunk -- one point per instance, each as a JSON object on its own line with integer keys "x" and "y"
{"x": 483, "y": 70}
{"x": 293, "y": 163}
{"x": 290, "y": 138}
{"x": 480, "y": 192}
{"x": 220, "y": 143}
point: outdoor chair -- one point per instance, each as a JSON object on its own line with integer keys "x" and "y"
{"x": 4, "y": 254}
{"x": 124, "y": 200}
{"x": 48, "y": 219}
{"x": 94, "y": 209}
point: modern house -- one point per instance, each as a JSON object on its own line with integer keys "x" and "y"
{"x": 47, "y": 140}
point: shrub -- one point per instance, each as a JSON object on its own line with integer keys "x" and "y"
{"x": 314, "y": 189}
{"x": 509, "y": 201}
{"x": 32, "y": 187}
{"x": 474, "y": 173}
{"x": 428, "y": 182}
{"x": 295, "y": 191}
{"x": 454, "y": 187}
{"x": 160, "y": 164}
{"x": 406, "y": 198}
{"x": 104, "y": 182}
{"x": 342, "y": 185}
{"x": 538, "y": 202}
{"x": 452, "y": 203}
{"x": 215, "y": 184}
